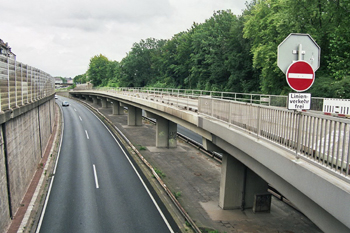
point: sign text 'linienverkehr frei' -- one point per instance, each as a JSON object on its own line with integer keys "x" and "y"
{"x": 299, "y": 101}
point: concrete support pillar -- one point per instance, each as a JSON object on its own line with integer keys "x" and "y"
{"x": 117, "y": 109}
{"x": 109, "y": 103}
{"x": 238, "y": 184}
{"x": 103, "y": 102}
{"x": 91, "y": 99}
{"x": 94, "y": 99}
{"x": 134, "y": 116}
{"x": 166, "y": 132}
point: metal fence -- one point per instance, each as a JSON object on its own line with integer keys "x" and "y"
{"x": 316, "y": 137}
{"x": 21, "y": 84}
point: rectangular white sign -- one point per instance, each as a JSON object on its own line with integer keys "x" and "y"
{"x": 299, "y": 75}
{"x": 299, "y": 101}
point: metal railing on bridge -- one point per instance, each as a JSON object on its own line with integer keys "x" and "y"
{"x": 262, "y": 99}
{"x": 320, "y": 139}
{"x": 21, "y": 84}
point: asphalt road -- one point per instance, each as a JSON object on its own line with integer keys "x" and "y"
{"x": 189, "y": 133}
{"x": 95, "y": 187}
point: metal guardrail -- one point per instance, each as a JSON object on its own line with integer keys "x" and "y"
{"x": 21, "y": 84}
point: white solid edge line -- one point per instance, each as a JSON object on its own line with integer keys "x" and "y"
{"x": 44, "y": 208}
{"x": 59, "y": 148}
{"x": 52, "y": 178}
{"x": 137, "y": 173}
{"x": 95, "y": 174}
{"x": 87, "y": 135}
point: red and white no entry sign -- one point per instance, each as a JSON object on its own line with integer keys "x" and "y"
{"x": 300, "y": 76}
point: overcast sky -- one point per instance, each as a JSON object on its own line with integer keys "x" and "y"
{"x": 60, "y": 37}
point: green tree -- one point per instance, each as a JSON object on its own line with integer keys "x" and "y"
{"x": 175, "y": 61}
{"x": 98, "y": 69}
{"x": 243, "y": 77}
{"x": 220, "y": 59}
{"x": 266, "y": 25}
{"x": 338, "y": 57}
{"x": 268, "y": 22}
{"x": 238, "y": 53}
{"x": 113, "y": 73}
{"x": 80, "y": 78}
{"x": 139, "y": 67}
{"x": 62, "y": 79}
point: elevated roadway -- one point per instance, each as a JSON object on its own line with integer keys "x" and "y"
{"x": 303, "y": 155}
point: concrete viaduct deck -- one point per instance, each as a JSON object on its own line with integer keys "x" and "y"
{"x": 304, "y": 156}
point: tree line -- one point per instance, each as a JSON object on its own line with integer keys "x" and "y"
{"x": 237, "y": 53}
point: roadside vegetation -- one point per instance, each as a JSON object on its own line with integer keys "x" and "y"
{"x": 160, "y": 173}
{"x": 66, "y": 88}
{"x": 237, "y": 53}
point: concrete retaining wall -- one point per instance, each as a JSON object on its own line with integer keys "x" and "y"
{"x": 24, "y": 137}
{"x": 4, "y": 205}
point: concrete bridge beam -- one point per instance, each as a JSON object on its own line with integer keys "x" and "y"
{"x": 166, "y": 132}
{"x": 210, "y": 146}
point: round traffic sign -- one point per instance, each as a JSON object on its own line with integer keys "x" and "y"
{"x": 300, "y": 76}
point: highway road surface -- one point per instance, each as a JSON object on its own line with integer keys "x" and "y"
{"x": 95, "y": 186}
